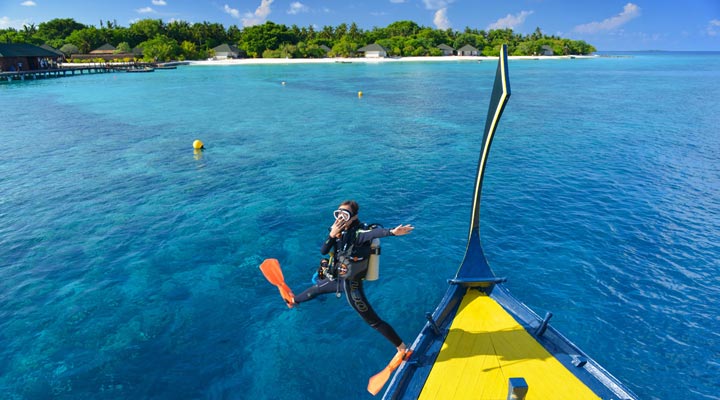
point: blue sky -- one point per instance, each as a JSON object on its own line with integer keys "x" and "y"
{"x": 607, "y": 24}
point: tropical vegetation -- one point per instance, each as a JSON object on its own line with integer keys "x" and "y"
{"x": 183, "y": 40}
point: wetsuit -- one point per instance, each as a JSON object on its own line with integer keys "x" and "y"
{"x": 354, "y": 244}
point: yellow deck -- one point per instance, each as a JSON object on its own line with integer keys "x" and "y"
{"x": 485, "y": 348}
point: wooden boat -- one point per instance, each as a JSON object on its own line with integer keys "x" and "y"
{"x": 483, "y": 343}
{"x": 143, "y": 69}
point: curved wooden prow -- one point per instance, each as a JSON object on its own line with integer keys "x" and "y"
{"x": 500, "y": 96}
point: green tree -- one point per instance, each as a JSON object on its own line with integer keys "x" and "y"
{"x": 314, "y": 51}
{"x": 123, "y": 47}
{"x": 340, "y": 31}
{"x": 188, "y": 51}
{"x": 121, "y": 34}
{"x": 402, "y": 28}
{"x": 180, "y": 31}
{"x": 344, "y": 48}
{"x": 268, "y": 53}
{"x": 55, "y": 31}
{"x": 311, "y": 34}
{"x": 234, "y": 34}
{"x": 327, "y": 33}
{"x": 208, "y": 35}
{"x": 160, "y": 48}
{"x": 58, "y": 29}
{"x": 86, "y": 39}
{"x": 146, "y": 29}
{"x": 527, "y": 48}
{"x": 256, "y": 39}
{"x": 354, "y": 32}
{"x": 537, "y": 35}
{"x": 435, "y": 37}
{"x": 405, "y": 38}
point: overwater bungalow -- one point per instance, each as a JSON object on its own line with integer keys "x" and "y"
{"x": 24, "y": 57}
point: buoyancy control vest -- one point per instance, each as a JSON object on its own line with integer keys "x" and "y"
{"x": 353, "y": 260}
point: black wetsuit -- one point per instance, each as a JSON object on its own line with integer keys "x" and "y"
{"x": 354, "y": 243}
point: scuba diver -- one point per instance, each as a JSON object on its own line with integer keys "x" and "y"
{"x": 349, "y": 244}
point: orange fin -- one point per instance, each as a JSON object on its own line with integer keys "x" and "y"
{"x": 377, "y": 381}
{"x": 272, "y": 272}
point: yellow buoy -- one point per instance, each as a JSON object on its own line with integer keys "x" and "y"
{"x": 359, "y": 94}
{"x": 198, "y": 145}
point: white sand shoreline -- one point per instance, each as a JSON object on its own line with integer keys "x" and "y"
{"x": 282, "y": 61}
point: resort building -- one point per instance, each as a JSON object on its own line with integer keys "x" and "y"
{"x": 226, "y": 51}
{"x": 373, "y": 51}
{"x": 468, "y": 50}
{"x": 57, "y": 52}
{"x": 546, "y": 50}
{"x": 446, "y": 50}
{"x": 25, "y": 57}
{"x": 104, "y": 50}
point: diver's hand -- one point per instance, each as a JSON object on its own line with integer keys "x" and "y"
{"x": 402, "y": 230}
{"x": 337, "y": 228}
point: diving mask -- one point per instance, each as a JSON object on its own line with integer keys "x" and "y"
{"x": 342, "y": 214}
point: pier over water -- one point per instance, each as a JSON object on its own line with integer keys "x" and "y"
{"x": 62, "y": 71}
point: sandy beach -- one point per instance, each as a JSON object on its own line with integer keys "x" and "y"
{"x": 345, "y": 60}
{"x": 340, "y": 60}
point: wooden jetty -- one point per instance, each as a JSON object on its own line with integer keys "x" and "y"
{"x": 96, "y": 68}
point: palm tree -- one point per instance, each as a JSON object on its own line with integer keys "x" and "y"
{"x": 30, "y": 29}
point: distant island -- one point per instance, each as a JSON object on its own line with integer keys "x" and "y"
{"x": 154, "y": 40}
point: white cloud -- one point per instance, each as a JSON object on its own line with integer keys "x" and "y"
{"x": 28, "y": 3}
{"x": 159, "y": 2}
{"x": 511, "y": 21}
{"x": 260, "y": 14}
{"x": 297, "y": 7}
{"x": 713, "y": 28}
{"x": 630, "y": 12}
{"x": 441, "y": 20}
{"x": 6, "y": 22}
{"x": 398, "y": 1}
{"x": 436, "y": 4}
{"x": 232, "y": 11}
{"x": 145, "y": 10}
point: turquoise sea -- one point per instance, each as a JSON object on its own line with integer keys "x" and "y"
{"x": 128, "y": 264}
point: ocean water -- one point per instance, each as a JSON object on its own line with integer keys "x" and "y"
{"x": 128, "y": 264}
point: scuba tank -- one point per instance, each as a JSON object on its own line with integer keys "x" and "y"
{"x": 373, "y": 271}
